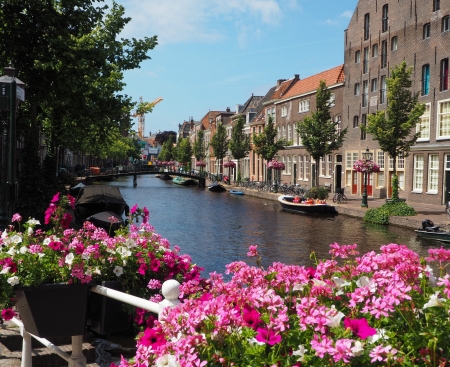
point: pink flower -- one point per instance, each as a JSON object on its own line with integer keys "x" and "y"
{"x": 253, "y": 251}
{"x": 146, "y": 214}
{"x": 359, "y": 327}
{"x": 55, "y": 198}
{"x": 8, "y": 314}
{"x": 16, "y": 218}
{"x": 153, "y": 338}
{"x": 133, "y": 209}
{"x": 252, "y": 318}
{"x": 267, "y": 336}
{"x": 71, "y": 201}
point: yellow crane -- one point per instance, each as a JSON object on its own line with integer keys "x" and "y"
{"x": 141, "y": 110}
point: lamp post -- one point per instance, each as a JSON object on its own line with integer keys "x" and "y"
{"x": 11, "y": 91}
{"x": 368, "y": 157}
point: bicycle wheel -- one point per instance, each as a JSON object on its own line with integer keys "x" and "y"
{"x": 335, "y": 198}
{"x": 447, "y": 210}
{"x": 343, "y": 199}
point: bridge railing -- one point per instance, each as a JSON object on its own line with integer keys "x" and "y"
{"x": 170, "y": 291}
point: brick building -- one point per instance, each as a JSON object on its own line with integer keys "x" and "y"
{"x": 380, "y": 35}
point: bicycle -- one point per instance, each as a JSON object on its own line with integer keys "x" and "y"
{"x": 447, "y": 209}
{"x": 339, "y": 196}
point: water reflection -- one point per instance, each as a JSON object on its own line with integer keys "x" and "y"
{"x": 217, "y": 228}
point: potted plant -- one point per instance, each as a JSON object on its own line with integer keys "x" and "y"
{"x": 34, "y": 260}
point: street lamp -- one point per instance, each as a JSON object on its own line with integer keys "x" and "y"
{"x": 11, "y": 91}
{"x": 368, "y": 157}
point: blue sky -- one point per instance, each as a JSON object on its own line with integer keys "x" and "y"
{"x": 213, "y": 54}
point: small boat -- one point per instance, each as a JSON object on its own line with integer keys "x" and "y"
{"x": 287, "y": 203}
{"x": 216, "y": 187}
{"x": 165, "y": 176}
{"x": 430, "y": 231}
{"x": 183, "y": 181}
{"x": 236, "y": 192}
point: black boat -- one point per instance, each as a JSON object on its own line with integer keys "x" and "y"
{"x": 288, "y": 204}
{"x": 216, "y": 187}
{"x": 101, "y": 205}
{"x": 430, "y": 231}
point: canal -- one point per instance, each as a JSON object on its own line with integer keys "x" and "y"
{"x": 217, "y": 228}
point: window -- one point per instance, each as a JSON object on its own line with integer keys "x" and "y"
{"x": 303, "y": 106}
{"x": 284, "y": 132}
{"x": 433, "y": 173}
{"x": 423, "y": 126}
{"x": 366, "y": 61}
{"x": 329, "y": 164}
{"x": 443, "y": 130}
{"x": 357, "y": 89}
{"x": 394, "y": 43}
{"x": 363, "y": 123}
{"x": 289, "y": 132}
{"x": 337, "y": 120}
{"x": 425, "y": 79}
{"x": 418, "y": 173}
{"x": 383, "y": 54}
{"x": 366, "y": 26}
{"x": 306, "y": 177}
{"x": 380, "y": 176}
{"x": 436, "y": 5}
{"x": 332, "y": 100}
{"x": 374, "y": 85}
{"x": 365, "y": 96}
{"x": 288, "y": 165}
{"x": 444, "y": 75}
{"x": 279, "y": 133}
{"x": 383, "y": 89}
{"x": 283, "y": 111}
{"x": 375, "y": 50}
{"x": 357, "y": 57}
{"x": 285, "y": 165}
{"x": 384, "y": 18}
{"x": 426, "y": 30}
{"x": 445, "y": 24}
{"x": 301, "y": 167}
{"x": 355, "y": 121}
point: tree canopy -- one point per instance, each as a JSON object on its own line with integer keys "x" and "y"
{"x": 240, "y": 143}
{"x": 265, "y": 144}
{"x": 184, "y": 151}
{"x": 198, "y": 148}
{"x": 319, "y": 133}
{"x": 162, "y": 137}
{"x": 219, "y": 142}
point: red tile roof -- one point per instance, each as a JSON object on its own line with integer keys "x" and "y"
{"x": 310, "y": 84}
{"x": 279, "y": 92}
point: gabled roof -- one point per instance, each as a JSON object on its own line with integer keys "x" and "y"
{"x": 310, "y": 84}
{"x": 284, "y": 88}
{"x": 251, "y": 103}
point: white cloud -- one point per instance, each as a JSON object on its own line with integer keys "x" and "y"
{"x": 347, "y": 14}
{"x": 177, "y": 21}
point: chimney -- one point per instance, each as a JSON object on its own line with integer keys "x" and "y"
{"x": 279, "y": 81}
{"x": 296, "y": 76}
{"x": 228, "y": 109}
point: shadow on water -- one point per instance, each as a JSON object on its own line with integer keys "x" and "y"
{"x": 217, "y": 228}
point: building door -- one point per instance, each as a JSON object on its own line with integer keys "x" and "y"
{"x": 313, "y": 175}
{"x": 337, "y": 176}
{"x": 294, "y": 174}
{"x": 354, "y": 182}
{"x": 447, "y": 187}
{"x": 391, "y": 173}
{"x": 370, "y": 184}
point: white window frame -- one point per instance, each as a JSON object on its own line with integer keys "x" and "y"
{"x": 289, "y": 132}
{"x": 375, "y": 50}
{"x": 332, "y": 100}
{"x": 357, "y": 89}
{"x": 418, "y": 173}
{"x": 283, "y": 111}
{"x": 301, "y": 168}
{"x": 440, "y": 117}
{"x": 433, "y": 174}
{"x": 357, "y": 57}
{"x": 394, "y": 43}
{"x": 303, "y": 106}
{"x": 424, "y": 124}
{"x": 288, "y": 165}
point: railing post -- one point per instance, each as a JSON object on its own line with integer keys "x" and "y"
{"x": 170, "y": 291}
{"x": 26, "y": 348}
{"x": 77, "y": 358}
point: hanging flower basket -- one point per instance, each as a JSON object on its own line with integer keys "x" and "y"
{"x": 365, "y": 165}
{"x": 229, "y": 164}
{"x": 200, "y": 164}
{"x": 277, "y": 165}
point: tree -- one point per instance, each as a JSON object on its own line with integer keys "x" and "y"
{"x": 219, "y": 142}
{"x": 184, "y": 151}
{"x": 240, "y": 143}
{"x": 162, "y": 137}
{"x": 167, "y": 151}
{"x": 318, "y": 132}
{"x": 198, "y": 148}
{"x": 265, "y": 144}
{"x": 392, "y": 128}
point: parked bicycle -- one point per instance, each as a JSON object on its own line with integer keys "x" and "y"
{"x": 447, "y": 209}
{"x": 339, "y": 196}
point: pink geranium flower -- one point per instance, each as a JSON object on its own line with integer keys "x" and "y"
{"x": 16, "y": 218}
{"x": 8, "y": 314}
{"x": 267, "y": 336}
{"x": 253, "y": 251}
{"x": 152, "y": 338}
{"x": 359, "y": 327}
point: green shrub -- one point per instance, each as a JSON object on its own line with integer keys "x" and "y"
{"x": 317, "y": 192}
{"x": 378, "y": 215}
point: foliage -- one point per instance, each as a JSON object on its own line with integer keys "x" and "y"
{"x": 395, "y": 187}
{"x": 393, "y": 208}
{"x": 240, "y": 143}
{"x": 318, "y": 132}
{"x": 136, "y": 257}
{"x": 184, "y": 151}
{"x": 162, "y": 137}
{"x": 167, "y": 150}
{"x": 219, "y": 142}
{"x": 392, "y": 128}
{"x": 385, "y": 309}
{"x": 317, "y": 192}
{"x": 264, "y": 143}
{"x": 198, "y": 148}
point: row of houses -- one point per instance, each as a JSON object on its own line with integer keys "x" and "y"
{"x": 380, "y": 35}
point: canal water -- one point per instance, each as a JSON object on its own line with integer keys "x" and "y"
{"x": 217, "y": 228}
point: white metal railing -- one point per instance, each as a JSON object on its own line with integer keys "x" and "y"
{"x": 170, "y": 291}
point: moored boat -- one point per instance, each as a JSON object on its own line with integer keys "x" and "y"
{"x": 236, "y": 192}
{"x": 183, "y": 181}
{"x": 430, "y": 231}
{"x": 287, "y": 203}
{"x": 216, "y": 187}
{"x": 165, "y": 176}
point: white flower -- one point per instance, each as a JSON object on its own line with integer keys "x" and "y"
{"x": 4, "y": 234}
{"x": 434, "y": 301}
{"x": 5, "y": 270}
{"x": 30, "y": 231}
{"x": 33, "y": 222}
{"x": 12, "y": 251}
{"x": 254, "y": 341}
{"x": 41, "y": 254}
{"x": 97, "y": 271}
{"x": 381, "y": 334}
{"x": 366, "y": 282}
{"x": 123, "y": 251}
{"x": 69, "y": 259}
{"x": 13, "y": 281}
{"x": 130, "y": 243}
{"x": 118, "y": 270}
{"x": 300, "y": 352}
{"x": 298, "y": 286}
{"x": 335, "y": 321}
{"x": 357, "y": 349}
{"x": 340, "y": 282}
{"x": 88, "y": 272}
{"x": 319, "y": 283}
{"x": 23, "y": 250}
{"x": 17, "y": 238}
{"x": 167, "y": 360}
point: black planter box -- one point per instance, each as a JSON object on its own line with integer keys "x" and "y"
{"x": 53, "y": 310}
{"x": 107, "y": 314}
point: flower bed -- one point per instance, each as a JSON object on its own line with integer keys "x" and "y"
{"x": 381, "y": 309}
